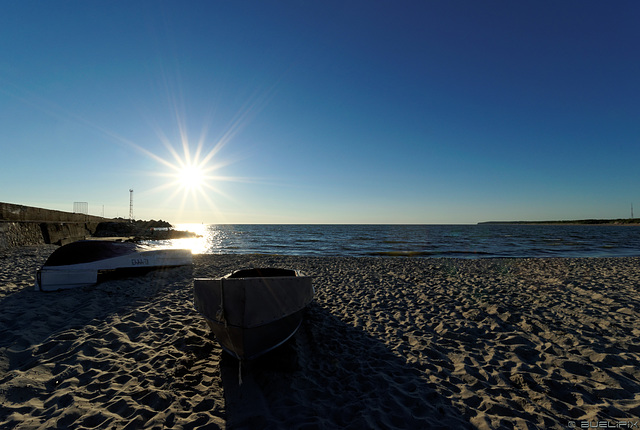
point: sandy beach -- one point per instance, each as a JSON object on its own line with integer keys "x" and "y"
{"x": 389, "y": 343}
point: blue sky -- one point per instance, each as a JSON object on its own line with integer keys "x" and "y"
{"x": 322, "y": 112}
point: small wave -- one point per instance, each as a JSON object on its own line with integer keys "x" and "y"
{"x": 403, "y": 253}
{"x": 437, "y": 253}
{"x": 467, "y": 253}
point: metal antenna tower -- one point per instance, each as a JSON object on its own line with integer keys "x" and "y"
{"x": 131, "y": 205}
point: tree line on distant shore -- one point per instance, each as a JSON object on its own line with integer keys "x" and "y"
{"x": 621, "y": 221}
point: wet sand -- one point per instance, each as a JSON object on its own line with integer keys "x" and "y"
{"x": 388, "y": 343}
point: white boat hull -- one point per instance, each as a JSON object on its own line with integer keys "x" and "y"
{"x": 52, "y": 278}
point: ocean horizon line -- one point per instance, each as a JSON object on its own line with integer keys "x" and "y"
{"x": 589, "y": 221}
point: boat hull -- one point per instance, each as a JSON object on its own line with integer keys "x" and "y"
{"x": 251, "y": 316}
{"x": 249, "y": 343}
{"x": 60, "y": 277}
{"x": 64, "y": 278}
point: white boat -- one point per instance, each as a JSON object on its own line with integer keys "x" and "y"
{"x": 253, "y": 311}
{"x": 84, "y": 262}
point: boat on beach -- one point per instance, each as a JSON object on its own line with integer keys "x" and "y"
{"x": 253, "y": 311}
{"x": 85, "y": 262}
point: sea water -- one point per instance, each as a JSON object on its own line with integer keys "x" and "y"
{"x": 461, "y": 241}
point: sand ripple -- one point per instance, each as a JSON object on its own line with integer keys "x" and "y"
{"x": 388, "y": 343}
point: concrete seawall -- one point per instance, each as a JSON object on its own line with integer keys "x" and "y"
{"x": 26, "y": 225}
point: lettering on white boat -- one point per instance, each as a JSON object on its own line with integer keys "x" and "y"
{"x": 604, "y": 424}
{"x": 139, "y": 261}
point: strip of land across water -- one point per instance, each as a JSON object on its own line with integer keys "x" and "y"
{"x": 621, "y": 221}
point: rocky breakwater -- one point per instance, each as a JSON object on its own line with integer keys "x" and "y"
{"x": 141, "y": 230}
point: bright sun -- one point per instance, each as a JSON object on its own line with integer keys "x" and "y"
{"x": 192, "y": 174}
{"x": 191, "y": 177}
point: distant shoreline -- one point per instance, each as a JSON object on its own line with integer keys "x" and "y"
{"x": 626, "y": 221}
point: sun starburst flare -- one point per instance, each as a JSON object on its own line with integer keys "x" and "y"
{"x": 191, "y": 177}
{"x": 194, "y": 167}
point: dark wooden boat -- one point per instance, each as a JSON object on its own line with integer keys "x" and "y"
{"x": 253, "y": 311}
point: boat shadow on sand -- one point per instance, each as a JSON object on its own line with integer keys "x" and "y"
{"x": 332, "y": 375}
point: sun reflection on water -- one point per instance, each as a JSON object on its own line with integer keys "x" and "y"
{"x": 199, "y": 244}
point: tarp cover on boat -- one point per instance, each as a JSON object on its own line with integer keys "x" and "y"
{"x": 267, "y": 272}
{"x": 86, "y": 251}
